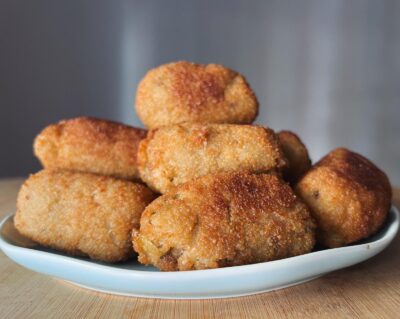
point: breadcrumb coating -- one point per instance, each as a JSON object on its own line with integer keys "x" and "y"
{"x": 187, "y": 92}
{"x": 348, "y": 196}
{"x": 90, "y": 145}
{"x": 172, "y": 155}
{"x": 225, "y": 219}
{"x": 299, "y": 161}
{"x": 81, "y": 213}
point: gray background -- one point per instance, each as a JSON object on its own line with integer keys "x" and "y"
{"x": 329, "y": 70}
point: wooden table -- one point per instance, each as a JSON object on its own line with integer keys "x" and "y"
{"x": 368, "y": 290}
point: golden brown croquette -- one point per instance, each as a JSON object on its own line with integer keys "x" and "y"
{"x": 81, "y": 213}
{"x": 172, "y": 155}
{"x": 188, "y": 92}
{"x": 90, "y": 145}
{"x": 224, "y": 219}
{"x": 348, "y": 196}
{"x": 297, "y": 156}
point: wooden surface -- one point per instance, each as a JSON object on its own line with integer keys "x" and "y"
{"x": 368, "y": 290}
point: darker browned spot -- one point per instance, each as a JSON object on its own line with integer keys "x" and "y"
{"x": 196, "y": 230}
{"x": 176, "y": 196}
{"x": 355, "y": 168}
{"x": 245, "y": 193}
{"x": 200, "y": 135}
{"x": 169, "y": 261}
{"x": 224, "y": 262}
{"x": 194, "y": 86}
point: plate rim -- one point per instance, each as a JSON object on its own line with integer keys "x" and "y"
{"x": 191, "y": 297}
{"x": 392, "y": 230}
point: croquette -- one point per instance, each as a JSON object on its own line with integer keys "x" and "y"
{"x": 187, "y": 92}
{"x": 81, "y": 214}
{"x": 226, "y": 219}
{"x": 299, "y": 161}
{"x": 348, "y": 196}
{"x": 90, "y": 145}
{"x": 172, "y": 155}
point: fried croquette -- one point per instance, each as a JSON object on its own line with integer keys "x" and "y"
{"x": 188, "y": 92}
{"x": 81, "y": 213}
{"x": 348, "y": 196}
{"x": 90, "y": 145}
{"x": 221, "y": 220}
{"x": 172, "y": 155}
{"x": 297, "y": 155}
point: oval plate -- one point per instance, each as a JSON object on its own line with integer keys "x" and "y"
{"x": 133, "y": 279}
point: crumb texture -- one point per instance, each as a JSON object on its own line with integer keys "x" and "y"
{"x": 173, "y": 155}
{"x": 188, "y": 92}
{"x": 81, "y": 213}
{"x": 299, "y": 161}
{"x": 223, "y": 220}
{"x": 348, "y": 195}
{"x": 90, "y": 145}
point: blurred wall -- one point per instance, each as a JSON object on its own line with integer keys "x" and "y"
{"x": 329, "y": 70}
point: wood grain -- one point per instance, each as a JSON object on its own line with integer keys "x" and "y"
{"x": 368, "y": 290}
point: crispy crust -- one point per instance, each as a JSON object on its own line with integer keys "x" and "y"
{"x": 81, "y": 213}
{"x": 348, "y": 195}
{"x": 90, "y": 145}
{"x": 299, "y": 161}
{"x": 223, "y": 220}
{"x": 188, "y": 92}
{"x": 172, "y": 155}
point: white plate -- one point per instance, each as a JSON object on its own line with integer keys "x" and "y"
{"x": 133, "y": 279}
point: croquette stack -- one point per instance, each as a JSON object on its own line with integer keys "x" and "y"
{"x": 203, "y": 188}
